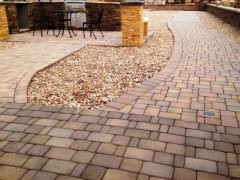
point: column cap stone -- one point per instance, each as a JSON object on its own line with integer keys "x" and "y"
{"x": 132, "y": 2}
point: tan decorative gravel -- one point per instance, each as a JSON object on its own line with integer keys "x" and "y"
{"x": 217, "y": 24}
{"x": 95, "y": 75}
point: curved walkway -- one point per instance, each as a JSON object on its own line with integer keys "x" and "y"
{"x": 200, "y": 84}
{"x": 45, "y": 142}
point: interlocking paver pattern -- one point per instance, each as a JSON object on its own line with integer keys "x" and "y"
{"x": 160, "y": 132}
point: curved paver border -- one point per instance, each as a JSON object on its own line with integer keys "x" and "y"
{"x": 163, "y": 74}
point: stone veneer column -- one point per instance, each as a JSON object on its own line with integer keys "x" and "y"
{"x": 238, "y": 3}
{"x": 4, "y": 33}
{"x": 132, "y": 23}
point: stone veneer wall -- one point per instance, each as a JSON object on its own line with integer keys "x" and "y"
{"x": 3, "y": 23}
{"x": 111, "y": 16}
{"x": 132, "y": 23}
{"x": 173, "y": 7}
{"x": 12, "y": 15}
{"x": 227, "y": 14}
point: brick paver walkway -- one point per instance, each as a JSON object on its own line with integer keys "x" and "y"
{"x": 173, "y": 140}
{"x": 200, "y": 84}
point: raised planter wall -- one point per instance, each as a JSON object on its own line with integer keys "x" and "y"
{"x": 3, "y": 23}
{"x": 111, "y": 16}
{"x": 175, "y": 7}
{"x": 227, "y": 14}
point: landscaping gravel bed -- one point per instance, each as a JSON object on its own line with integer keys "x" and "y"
{"x": 217, "y": 24}
{"x": 96, "y": 75}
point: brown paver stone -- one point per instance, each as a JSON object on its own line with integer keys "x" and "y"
{"x": 106, "y": 161}
{"x": 13, "y": 173}
{"x": 46, "y": 122}
{"x": 183, "y": 174}
{"x": 121, "y": 140}
{"x": 137, "y": 133}
{"x": 234, "y": 171}
{"x": 148, "y": 126}
{"x": 208, "y": 176}
{"x": 163, "y": 158}
{"x": 158, "y": 170}
{"x": 38, "y": 150}
{"x": 75, "y": 125}
{"x": 152, "y": 145}
{"x": 171, "y": 138}
{"x": 117, "y": 122}
{"x": 93, "y": 172}
{"x": 59, "y": 166}
{"x": 113, "y": 174}
{"x": 107, "y": 148}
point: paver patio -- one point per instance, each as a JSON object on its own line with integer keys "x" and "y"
{"x": 156, "y": 131}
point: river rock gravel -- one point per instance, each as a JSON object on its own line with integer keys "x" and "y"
{"x": 96, "y": 75}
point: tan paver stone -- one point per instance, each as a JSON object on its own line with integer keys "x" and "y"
{"x": 183, "y": 174}
{"x": 75, "y": 125}
{"x": 210, "y": 155}
{"x": 148, "y": 126}
{"x": 229, "y": 121}
{"x": 100, "y": 137}
{"x": 13, "y": 159}
{"x": 78, "y": 170}
{"x": 137, "y": 133}
{"x": 152, "y": 145}
{"x": 171, "y": 138}
{"x": 117, "y": 122}
{"x": 232, "y": 158}
{"x": 60, "y": 132}
{"x": 200, "y": 164}
{"x": 113, "y": 174}
{"x": 208, "y": 176}
{"x": 13, "y": 173}
{"x": 45, "y": 175}
{"x": 175, "y": 149}
{"x": 59, "y": 166}
{"x": 60, "y": 153}
{"x": 169, "y": 115}
{"x": 39, "y": 139}
{"x": 107, "y": 148}
{"x": 80, "y": 144}
{"x": 93, "y": 172}
{"x": 46, "y": 122}
{"x": 158, "y": 170}
{"x": 198, "y": 134}
{"x": 94, "y": 127}
{"x": 60, "y": 142}
{"x": 223, "y": 146}
{"x": 121, "y": 140}
{"x": 137, "y": 153}
{"x": 13, "y": 147}
{"x": 7, "y": 118}
{"x": 62, "y": 177}
{"x": 38, "y": 150}
{"x": 29, "y": 175}
{"x": 190, "y": 125}
{"x": 234, "y": 171}
{"x": 16, "y": 127}
{"x": 131, "y": 165}
{"x": 4, "y": 134}
{"x": 106, "y": 161}
{"x": 83, "y": 157}
{"x": 35, "y": 163}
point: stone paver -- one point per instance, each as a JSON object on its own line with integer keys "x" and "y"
{"x": 177, "y": 139}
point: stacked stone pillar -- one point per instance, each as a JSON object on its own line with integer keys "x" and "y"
{"x": 238, "y": 3}
{"x": 4, "y": 33}
{"x": 132, "y": 23}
